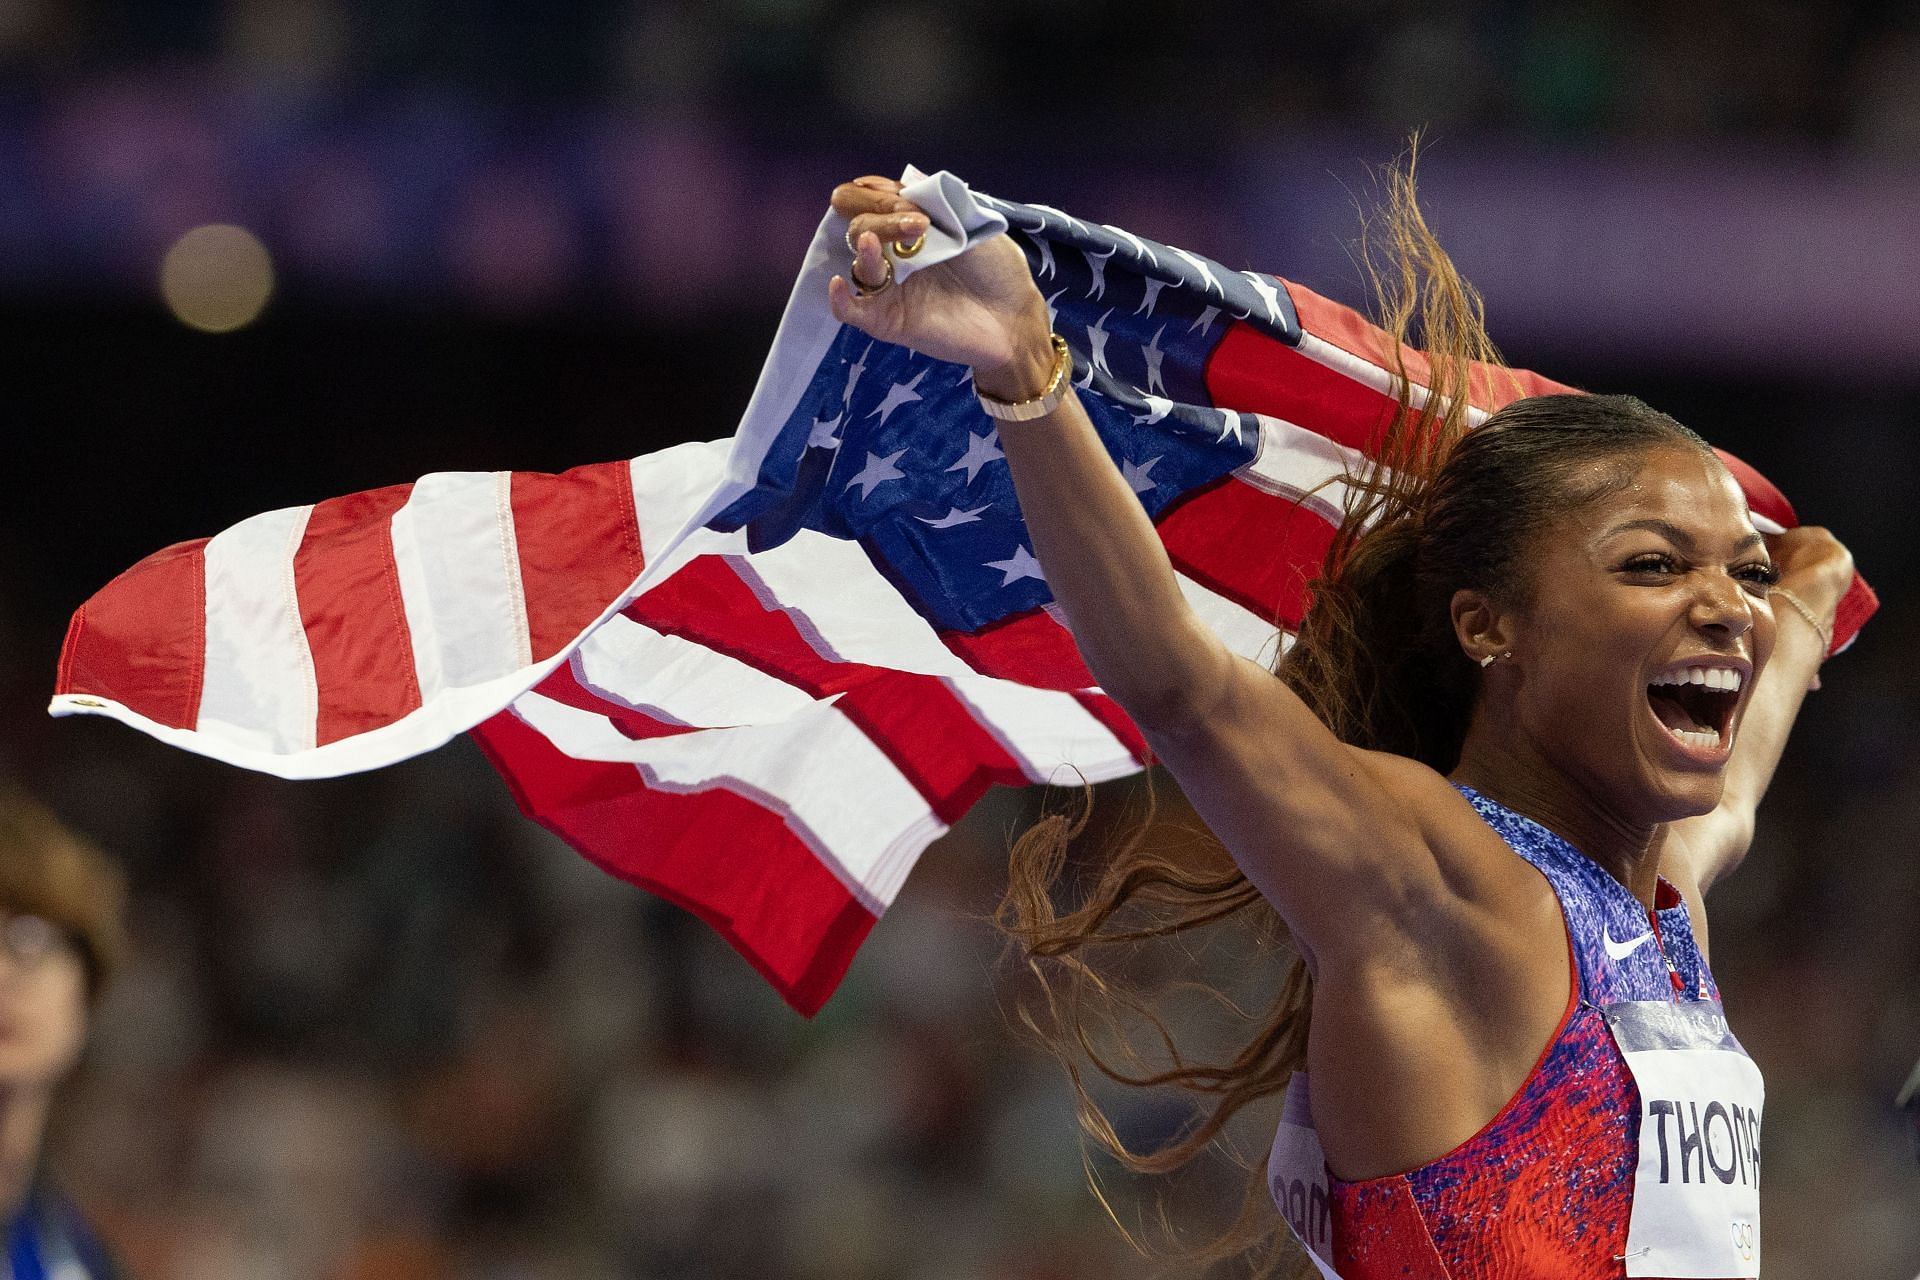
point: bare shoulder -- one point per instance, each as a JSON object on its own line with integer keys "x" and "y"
{"x": 1356, "y": 849}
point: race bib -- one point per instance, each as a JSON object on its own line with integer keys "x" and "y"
{"x": 1297, "y": 1178}
{"x": 1696, "y": 1189}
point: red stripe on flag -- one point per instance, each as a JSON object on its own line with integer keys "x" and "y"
{"x": 780, "y": 908}
{"x": 142, "y": 639}
{"x": 1489, "y": 387}
{"x": 1029, "y": 647}
{"x": 1118, "y": 723}
{"x": 350, "y": 606}
{"x": 1033, "y": 649}
{"x": 1256, "y": 373}
{"x": 563, "y": 686}
{"x": 914, "y": 719}
{"x": 1257, "y": 549}
{"x": 1762, "y": 497}
{"x": 579, "y": 547}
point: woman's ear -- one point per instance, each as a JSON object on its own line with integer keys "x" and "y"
{"x": 1484, "y": 630}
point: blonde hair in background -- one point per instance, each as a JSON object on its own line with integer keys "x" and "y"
{"x": 48, "y": 870}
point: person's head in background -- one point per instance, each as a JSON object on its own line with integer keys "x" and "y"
{"x": 61, "y": 939}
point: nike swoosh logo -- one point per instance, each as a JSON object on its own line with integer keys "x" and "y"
{"x": 1621, "y": 950}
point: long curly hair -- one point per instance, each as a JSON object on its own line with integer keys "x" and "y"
{"x": 1443, "y": 505}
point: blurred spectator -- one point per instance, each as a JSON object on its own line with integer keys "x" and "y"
{"x": 60, "y": 941}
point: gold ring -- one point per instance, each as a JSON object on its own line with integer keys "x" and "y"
{"x": 861, "y": 289}
{"x": 907, "y": 248}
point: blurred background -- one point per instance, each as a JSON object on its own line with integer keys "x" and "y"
{"x": 260, "y": 252}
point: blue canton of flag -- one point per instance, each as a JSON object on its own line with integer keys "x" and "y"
{"x": 890, "y": 448}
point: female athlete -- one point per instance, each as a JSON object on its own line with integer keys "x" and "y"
{"x": 1522, "y": 732}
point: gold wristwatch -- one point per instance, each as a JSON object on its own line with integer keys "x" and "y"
{"x": 1044, "y": 403}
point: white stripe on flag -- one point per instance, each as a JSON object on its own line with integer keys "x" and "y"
{"x": 1367, "y": 373}
{"x": 849, "y": 613}
{"x": 669, "y": 488}
{"x": 679, "y": 681}
{"x": 830, "y": 783}
{"x": 1303, "y": 466}
{"x": 259, "y": 685}
{"x": 1050, "y": 733}
{"x": 1243, "y": 630}
{"x": 454, "y": 553}
{"x": 844, "y": 608}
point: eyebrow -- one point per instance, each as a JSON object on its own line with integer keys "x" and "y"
{"x": 1679, "y": 537}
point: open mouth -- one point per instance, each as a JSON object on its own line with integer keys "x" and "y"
{"x": 1696, "y": 705}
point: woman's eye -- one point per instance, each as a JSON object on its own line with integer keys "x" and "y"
{"x": 1649, "y": 564}
{"x": 1759, "y": 575}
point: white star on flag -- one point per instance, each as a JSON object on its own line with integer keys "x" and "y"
{"x": 1046, "y": 257}
{"x": 1154, "y": 285}
{"x": 822, "y": 436}
{"x": 1201, "y": 265}
{"x": 1269, "y": 294}
{"x": 1158, "y": 407}
{"x": 1230, "y": 425}
{"x": 1097, "y": 337}
{"x": 1020, "y": 564}
{"x": 1138, "y": 477}
{"x": 980, "y": 451}
{"x": 878, "y": 471}
{"x": 854, "y": 371}
{"x": 898, "y": 394}
{"x": 1139, "y": 245}
{"x": 1053, "y": 310}
{"x": 1097, "y": 263}
{"x": 1205, "y": 320}
{"x": 1153, "y": 356}
{"x": 954, "y": 516}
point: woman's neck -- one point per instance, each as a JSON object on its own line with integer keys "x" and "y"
{"x": 1503, "y": 768}
{"x": 23, "y": 1123}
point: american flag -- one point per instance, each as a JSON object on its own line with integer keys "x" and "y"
{"x": 758, "y": 676}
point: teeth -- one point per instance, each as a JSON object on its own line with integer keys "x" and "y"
{"x": 1711, "y": 677}
{"x": 1706, "y": 738}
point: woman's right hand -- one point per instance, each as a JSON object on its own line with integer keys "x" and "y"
{"x": 980, "y": 309}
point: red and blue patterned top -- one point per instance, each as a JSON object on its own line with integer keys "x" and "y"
{"x": 1545, "y": 1190}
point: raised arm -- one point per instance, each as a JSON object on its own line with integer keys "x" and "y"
{"x": 1288, "y": 798}
{"x": 1816, "y": 570}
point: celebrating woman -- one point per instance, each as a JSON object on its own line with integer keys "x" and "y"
{"x": 1545, "y": 679}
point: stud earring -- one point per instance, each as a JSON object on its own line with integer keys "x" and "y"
{"x": 1492, "y": 657}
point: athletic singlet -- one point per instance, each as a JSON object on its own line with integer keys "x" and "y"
{"x": 1546, "y": 1190}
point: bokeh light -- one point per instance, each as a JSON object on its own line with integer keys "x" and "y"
{"x": 217, "y": 278}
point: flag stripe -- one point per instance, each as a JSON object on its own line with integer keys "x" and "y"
{"x": 259, "y": 684}
{"x": 565, "y": 685}
{"x": 827, "y": 779}
{"x": 677, "y": 680}
{"x": 459, "y": 575}
{"x": 1256, "y": 373}
{"x": 1255, "y": 548}
{"x": 913, "y": 719}
{"x": 838, "y": 600}
{"x": 1346, "y": 331}
{"x": 578, "y": 541}
{"x": 770, "y": 897}
{"x": 141, "y": 640}
{"x": 1243, "y": 631}
{"x": 350, "y": 607}
{"x": 1029, "y": 647}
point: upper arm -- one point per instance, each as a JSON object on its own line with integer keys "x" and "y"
{"x": 1334, "y": 836}
{"x": 1708, "y": 848}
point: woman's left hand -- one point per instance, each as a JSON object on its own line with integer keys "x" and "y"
{"x": 1817, "y": 569}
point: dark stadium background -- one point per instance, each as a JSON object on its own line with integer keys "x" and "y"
{"x": 380, "y": 1027}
